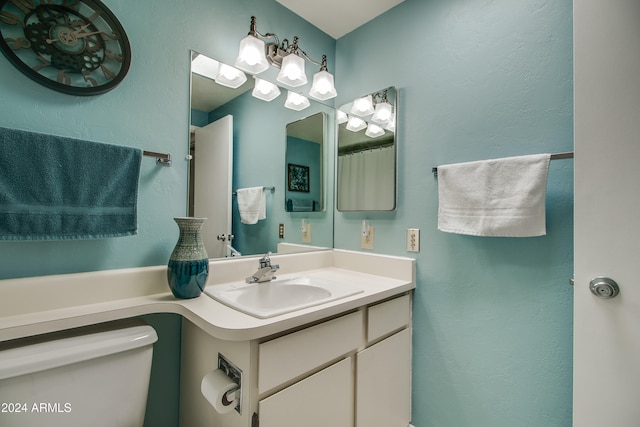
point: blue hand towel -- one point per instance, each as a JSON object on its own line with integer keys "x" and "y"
{"x": 57, "y": 188}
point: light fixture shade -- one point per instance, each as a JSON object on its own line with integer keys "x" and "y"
{"x": 374, "y": 131}
{"x": 341, "y": 116}
{"x": 323, "y": 87}
{"x": 382, "y": 113}
{"x": 356, "y": 124}
{"x": 205, "y": 66}
{"x": 363, "y": 106}
{"x": 265, "y": 90}
{"x": 230, "y": 77}
{"x": 292, "y": 71}
{"x": 391, "y": 126}
{"x": 296, "y": 101}
{"x": 251, "y": 57}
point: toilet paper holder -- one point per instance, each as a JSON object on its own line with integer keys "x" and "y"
{"x": 235, "y": 374}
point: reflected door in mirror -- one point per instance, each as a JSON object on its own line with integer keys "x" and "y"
{"x": 212, "y": 162}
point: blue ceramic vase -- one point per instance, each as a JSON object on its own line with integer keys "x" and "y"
{"x": 188, "y": 266}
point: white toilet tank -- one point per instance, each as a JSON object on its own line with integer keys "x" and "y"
{"x": 94, "y": 376}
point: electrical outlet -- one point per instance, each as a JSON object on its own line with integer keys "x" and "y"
{"x": 306, "y": 233}
{"x": 413, "y": 239}
{"x": 281, "y": 231}
{"x": 366, "y": 241}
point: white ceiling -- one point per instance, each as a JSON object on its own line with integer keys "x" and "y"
{"x": 339, "y": 17}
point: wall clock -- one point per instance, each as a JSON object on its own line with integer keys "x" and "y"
{"x": 76, "y": 47}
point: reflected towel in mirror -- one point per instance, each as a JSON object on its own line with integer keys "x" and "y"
{"x": 251, "y": 204}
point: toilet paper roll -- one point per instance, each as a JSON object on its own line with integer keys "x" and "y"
{"x": 220, "y": 391}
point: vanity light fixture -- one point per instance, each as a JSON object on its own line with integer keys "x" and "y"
{"x": 323, "y": 87}
{"x": 374, "y": 131}
{"x": 356, "y": 124}
{"x": 251, "y": 56}
{"x": 230, "y": 77}
{"x": 265, "y": 90}
{"x": 341, "y": 116}
{"x": 255, "y": 56}
{"x": 383, "y": 111}
{"x": 296, "y": 101}
{"x": 363, "y": 106}
{"x": 292, "y": 68}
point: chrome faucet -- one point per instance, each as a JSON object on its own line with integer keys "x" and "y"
{"x": 265, "y": 271}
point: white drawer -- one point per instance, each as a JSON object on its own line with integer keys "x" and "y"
{"x": 293, "y": 355}
{"x": 388, "y": 317}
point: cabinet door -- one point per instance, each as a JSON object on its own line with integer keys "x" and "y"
{"x": 383, "y": 385}
{"x": 324, "y": 399}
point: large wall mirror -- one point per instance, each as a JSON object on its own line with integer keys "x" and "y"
{"x": 238, "y": 141}
{"x": 367, "y": 147}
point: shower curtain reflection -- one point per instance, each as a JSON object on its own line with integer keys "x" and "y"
{"x": 367, "y": 180}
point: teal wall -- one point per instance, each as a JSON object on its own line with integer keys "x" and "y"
{"x": 477, "y": 79}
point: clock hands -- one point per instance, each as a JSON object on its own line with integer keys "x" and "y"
{"x": 70, "y": 37}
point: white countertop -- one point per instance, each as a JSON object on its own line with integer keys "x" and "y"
{"x": 31, "y": 306}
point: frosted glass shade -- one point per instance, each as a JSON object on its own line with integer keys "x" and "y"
{"x": 296, "y": 101}
{"x": 374, "y": 131}
{"x": 323, "y": 87}
{"x": 356, "y": 124}
{"x": 382, "y": 113}
{"x": 341, "y": 116}
{"x": 205, "y": 66}
{"x": 265, "y": 90}
{"x": 363, "y": 106}
{"x": 251, "y": 57}
{"x": 391, "y": 126}
{"x": 292, "y": 71}
{"x": 230, "y": 77}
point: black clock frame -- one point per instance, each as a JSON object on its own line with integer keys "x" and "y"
{"x": 115, "y": 25}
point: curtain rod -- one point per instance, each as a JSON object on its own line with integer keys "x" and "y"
{"x": 556, "y": 156}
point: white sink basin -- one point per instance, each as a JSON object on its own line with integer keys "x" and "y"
{"x": 264, "y": 300}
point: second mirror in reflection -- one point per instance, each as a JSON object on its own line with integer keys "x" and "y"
{"x": 366, "y": 176}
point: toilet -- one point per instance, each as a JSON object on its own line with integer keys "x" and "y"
{"x": 92, "y": 376}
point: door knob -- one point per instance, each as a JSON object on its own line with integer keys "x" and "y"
{"x": 604, "y": 287}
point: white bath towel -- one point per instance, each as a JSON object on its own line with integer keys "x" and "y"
{"x": 500, "y": 197}
{"x": 251, "y": 204}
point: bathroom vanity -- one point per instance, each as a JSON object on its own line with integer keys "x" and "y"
{"x": 325, "y": 373}
{"x": 346, "y": 362}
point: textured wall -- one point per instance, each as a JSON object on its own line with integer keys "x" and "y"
{"x": 477, "y": 79}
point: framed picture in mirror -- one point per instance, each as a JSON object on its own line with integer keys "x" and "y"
{"x": 298, "y": 178}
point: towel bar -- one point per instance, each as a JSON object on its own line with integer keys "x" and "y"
{"x": 557, "y": 156}
{"x": 161, "y": 158}
{"x": 272, "y": 189}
